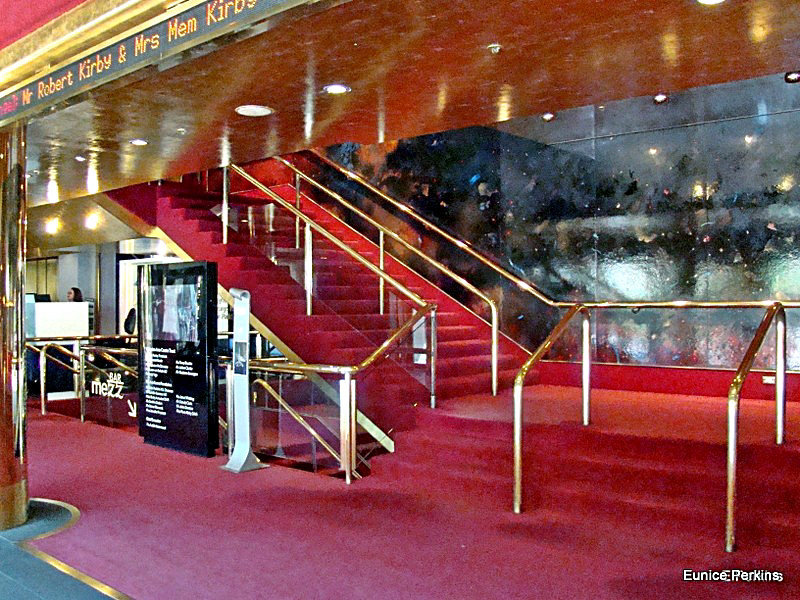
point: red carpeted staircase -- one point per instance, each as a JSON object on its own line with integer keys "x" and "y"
{"x": 346, "y": 325}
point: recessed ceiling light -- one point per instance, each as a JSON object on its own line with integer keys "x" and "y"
{"x": 653, "y": 151}
{"x": 80, "y": 158}
{"x": 749, "y": 139}
{"x": 660, "y": 98}
{"x": 92, "y": 220}
{"x": 180, "y": 130}
{"x": 52, "y": 226}
{"x": 336, "y": 89}
{"x": 710, "y": 2}
{"x": 548, "y": 116}
{"x": 253, "y": 110}
{"x": 139, "y": 142}
{"x": 792, "y": 77}
{"x": 494, "y": 48}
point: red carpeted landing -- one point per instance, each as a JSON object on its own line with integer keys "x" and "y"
{"x": 612, "y": 512}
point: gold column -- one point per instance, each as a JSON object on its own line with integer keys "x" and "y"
{"x": 13, "y": 467}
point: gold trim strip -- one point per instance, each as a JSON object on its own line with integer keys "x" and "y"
{"x": 101, "y": 587}
{"x": 74, "y": 515}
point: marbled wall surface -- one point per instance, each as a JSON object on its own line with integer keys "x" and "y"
{"x": 693, "y": 199}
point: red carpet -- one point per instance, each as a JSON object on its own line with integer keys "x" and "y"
{"x": 611, "y": 512}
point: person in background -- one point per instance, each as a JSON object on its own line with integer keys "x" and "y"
{"x": 74, "y": 295}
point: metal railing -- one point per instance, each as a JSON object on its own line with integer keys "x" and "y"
{"x": 303, "y": 423}
{"x": 383, "y": 232}
{"x": 347, "y": 384}
{"x": 774, "y": 313}
{"x": 56, "y": 343}
{"x": 519, "y": 382}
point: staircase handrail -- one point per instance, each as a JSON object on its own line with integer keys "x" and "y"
{"x": 280, "y": 365}
{"x": 385, "y": 231}
{"x": 330, "y": 237}
{"x": 775, "y": 313}
{"x": 527, "y": 285}
{"x": 348, "y": 407}
{"x": 303, "y": 423}
{"x": 519, "y": 382}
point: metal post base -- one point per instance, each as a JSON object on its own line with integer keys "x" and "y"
{"x": 242, "y": 464}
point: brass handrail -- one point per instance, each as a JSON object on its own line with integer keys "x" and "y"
{"x": 774, "y": 312}
{"x": 283, "y": 366}
{"x": 83, "y": 338}
{"x": 303, "y": 423}
{"x": 43, "y": 358}
{"x": 385, "y": 231}
{"x": 526, "y": 285}
{"x": 519, "y": 382}
{"x": 331, "y": 238}
{"x": 107, "y": 353}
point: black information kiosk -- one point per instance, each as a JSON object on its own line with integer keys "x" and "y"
{"x": 177, "y": 356}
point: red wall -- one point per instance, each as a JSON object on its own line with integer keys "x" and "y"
{"x": 18, "y": 19}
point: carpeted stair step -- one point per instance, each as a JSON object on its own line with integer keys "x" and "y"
{"x": 465, "y": 385}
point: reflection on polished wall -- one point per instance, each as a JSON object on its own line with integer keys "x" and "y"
{"x": 692, "y": 199}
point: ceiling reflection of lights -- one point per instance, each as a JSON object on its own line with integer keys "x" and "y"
{"x": 336, "y": 89}
{"x": 660, "y": 98}
{"x": 253, "y": 110}
{"x": 139, "y": 142}
{"x": 80, "y": 158}
{"x": 494, "y": 48}
{"x": 51, "y": 226}
{"x": 92, "y": 221}
{"x": 180, "y": 131}
{"x": 52, "y": 190}
{"x": 548, "y": 116}
{"x": 792, "y": 77}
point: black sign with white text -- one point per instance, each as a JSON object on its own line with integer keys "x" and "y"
{"x": 177, "y": 356}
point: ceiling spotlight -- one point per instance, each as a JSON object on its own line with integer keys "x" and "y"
{"x": 336, "y": 89}
{"x": 548, "y": 116}
{"x": 92, "y": 221}
{"x": 180, "y": 130}
{"x": 494, "y": 48}
{"x": 660, "y": 98}
{"x": 792, "y": 77}
{"x": 749, "y": 139}
{"x": 80, "y": 158}
{"x": 653, "y": 151}
{"x": 139, "y": 142}
{"x": 253, "y": 110}
{"x": 710, "y": 2}
{"x": 52, "y": 226}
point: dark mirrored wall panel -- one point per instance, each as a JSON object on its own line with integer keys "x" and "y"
{"x": 695, "y": 198}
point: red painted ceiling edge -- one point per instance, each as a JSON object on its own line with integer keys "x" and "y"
{"x": 18, "y": 19}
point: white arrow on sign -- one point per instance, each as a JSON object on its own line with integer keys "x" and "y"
{"x": 132, "y": 407}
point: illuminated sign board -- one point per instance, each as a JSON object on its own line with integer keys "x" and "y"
{"x": 195, "y": 25}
